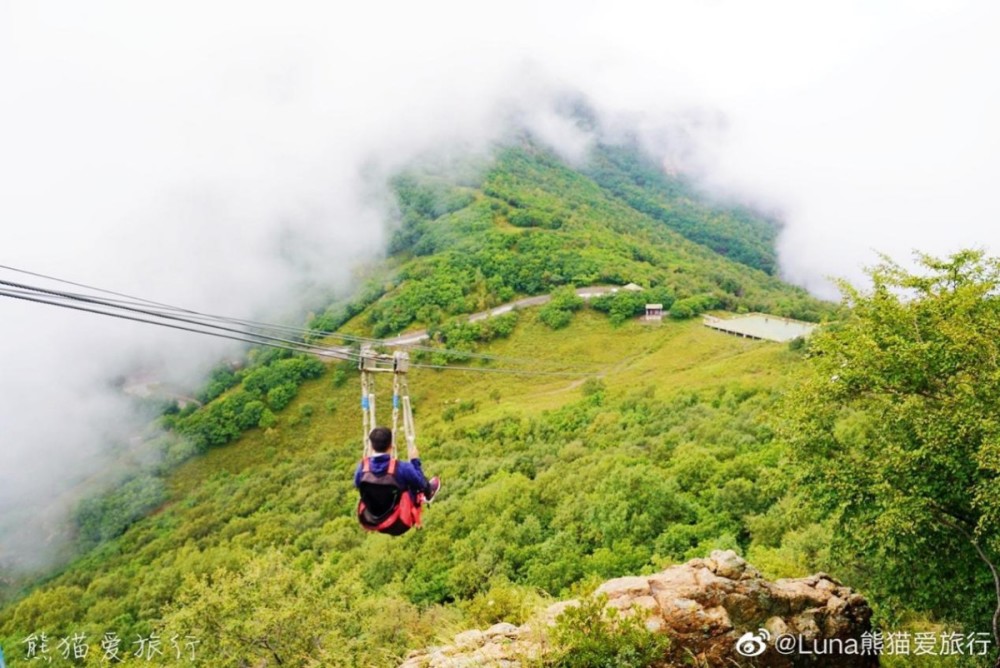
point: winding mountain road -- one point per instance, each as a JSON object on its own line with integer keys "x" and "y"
{"x": 411, "y": 338}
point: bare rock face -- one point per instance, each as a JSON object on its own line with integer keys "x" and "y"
{"x": 717, "y": 611}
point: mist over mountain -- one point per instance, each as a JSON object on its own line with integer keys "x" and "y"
{"x": 245, "y": 160}
{"x": 270, "y": 451}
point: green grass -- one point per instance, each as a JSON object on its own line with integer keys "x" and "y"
{"x": 673, "y": 356}
{"x": 289, "y": 489}
{"x": 661, "y": 453}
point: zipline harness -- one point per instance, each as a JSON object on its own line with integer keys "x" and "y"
{"x": 398, "y": 364}
{"x": 385, "y": 505}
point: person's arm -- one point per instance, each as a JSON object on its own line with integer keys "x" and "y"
{"x": 357, "y": 475}
{"x": 411, "y": 474}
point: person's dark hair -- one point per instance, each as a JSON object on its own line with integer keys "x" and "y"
{"x": 381, "y": 438}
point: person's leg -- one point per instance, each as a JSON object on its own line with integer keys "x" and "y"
{"x": 435, "y": 485}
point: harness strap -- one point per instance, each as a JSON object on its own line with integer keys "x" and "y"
{"x": 389, "y": 521}
{"x": 406, "y": 512}
{"x": 408, "y": 427}
{"x": 395, "y": 413}
{"x": 367, "y": 409}
{"x": 366, "y": 465}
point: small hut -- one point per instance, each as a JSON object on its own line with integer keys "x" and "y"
{"x": 654, "y": 312}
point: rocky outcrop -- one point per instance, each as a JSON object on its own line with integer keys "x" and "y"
{"x": 717, "y": 611}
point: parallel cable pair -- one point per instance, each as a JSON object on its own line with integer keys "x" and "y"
{"x": 128, "y": 307}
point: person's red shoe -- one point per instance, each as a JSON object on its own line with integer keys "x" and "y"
{"x": 435, "y": 485}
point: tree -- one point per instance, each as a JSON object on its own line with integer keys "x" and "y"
{"x": 590, "y": 634}
{"x": 268, "y": 610}
{"x": 559, "y": 311}
{"x": 282, "y": 395}
{"x": 898, "y": 427}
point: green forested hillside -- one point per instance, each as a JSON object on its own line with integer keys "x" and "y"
{"x": 549, "y": 485}
{"x": 527, "y": 224}
{"x": 245, "y": 540}
{"x": 734, "y": 232}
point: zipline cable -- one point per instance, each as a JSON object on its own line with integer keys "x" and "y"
{"x": 324, "y": 352}
{"x": 83, "y": 285}
{"x": 271, "y": 342}
{"x": 156, "y": 314}
{"x": 139, "y": 301}
{"x": 23, "y": 291}
{"x": 131, "y": 300}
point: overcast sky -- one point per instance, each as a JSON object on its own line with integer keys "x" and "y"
{"x": 226, "y": 155}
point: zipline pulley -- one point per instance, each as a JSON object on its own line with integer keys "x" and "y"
{"x": 398, "y": 364}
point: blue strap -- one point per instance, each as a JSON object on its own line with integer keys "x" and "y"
{"x": 395, "y": 401}
{"x": 364, "y": 403}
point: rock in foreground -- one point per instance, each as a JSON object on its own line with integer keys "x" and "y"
{"x": 705, "y": 606}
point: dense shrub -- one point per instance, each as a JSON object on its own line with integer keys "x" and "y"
{"x": 261, "y": 380}
{"x": 280, "y": 396}
{"x": 107, "y": 515}
{"x": 692, "y": 306}
{"x": 274, "y": 379}
{"x": 592, "y": 635}
{"x": 555, "y": 318}
{"x": 559, "y": 311}
{"x": 222, "y": 378}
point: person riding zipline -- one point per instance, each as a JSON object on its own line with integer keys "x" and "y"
{"x": 392, "y": 491}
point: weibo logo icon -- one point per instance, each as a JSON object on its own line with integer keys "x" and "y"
{"x": 753, "y": 644}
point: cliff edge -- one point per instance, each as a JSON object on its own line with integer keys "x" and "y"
{"x": 717, "y": 611}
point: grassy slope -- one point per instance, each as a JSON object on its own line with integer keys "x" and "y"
{"x": 290, "y": 489}
{"x": 550, "y": 483}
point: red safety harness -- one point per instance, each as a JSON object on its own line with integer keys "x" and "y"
{"x": 385, "y": 505}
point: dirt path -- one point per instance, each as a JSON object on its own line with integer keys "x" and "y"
{"x": 422, "y": 335}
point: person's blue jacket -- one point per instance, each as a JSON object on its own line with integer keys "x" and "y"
{"x": 409, "y": 474}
